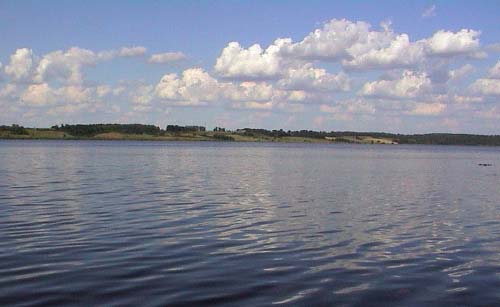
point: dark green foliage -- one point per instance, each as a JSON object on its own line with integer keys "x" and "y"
{"x": 449, "y": 139}
{"x": 223, "y": 137}
{"x": 176, "y": 128}
{"x": 94, "y": 129}
{"x": 431, "y": 139}
{"x": 14, "y": 129}
{"x": 282, "y": 133}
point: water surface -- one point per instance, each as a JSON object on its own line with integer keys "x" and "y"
{"x": 153, "y": 224}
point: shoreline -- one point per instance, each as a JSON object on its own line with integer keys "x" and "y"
{"x": 181, "y": 139}
{"x": 188, "y": 140}
{"x": 173, "y": 133}
{"x": 198, "y": 136}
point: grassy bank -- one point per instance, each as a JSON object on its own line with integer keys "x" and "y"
{"x": 51, "y": 134}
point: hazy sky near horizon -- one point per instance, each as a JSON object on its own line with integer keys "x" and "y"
{"x": 396, "y": 66}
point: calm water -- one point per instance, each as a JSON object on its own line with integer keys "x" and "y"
{"x": 155, "y": 224}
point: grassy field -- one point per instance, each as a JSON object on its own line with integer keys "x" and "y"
{"x": 51, "y": 134}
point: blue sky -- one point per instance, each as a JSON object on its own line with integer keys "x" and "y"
{"x": 400, "y": 66}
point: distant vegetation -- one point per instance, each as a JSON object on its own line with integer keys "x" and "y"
{"x": 176, "y": 128}
{"x": 14, "y": 129}
{"x": 199, "y": 133}
{"x": 95, "y": 129}
{"x": 351, "y": 137}
{"x": 222, "y": 137}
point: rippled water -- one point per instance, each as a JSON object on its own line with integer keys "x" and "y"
{"x": 155, "y": 224}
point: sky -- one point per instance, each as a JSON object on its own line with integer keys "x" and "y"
{"x": 393, "y": 66}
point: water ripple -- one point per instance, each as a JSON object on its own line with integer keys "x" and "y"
{"x": 115, "y": 223}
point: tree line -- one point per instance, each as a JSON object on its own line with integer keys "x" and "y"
{"x": 14, "y": 129}
{"x": 90, "y": 130}
{"x": 176, "y": 128}
{"x": 94, "y": 129}
{"x": 430, "y": 138}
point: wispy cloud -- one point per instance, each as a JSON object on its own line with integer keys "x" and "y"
{"x": 167, "y": 57}
{"x": 429, "y": 12}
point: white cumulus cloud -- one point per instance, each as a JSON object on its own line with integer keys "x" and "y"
{"x": 194, "y": 87}
{"x": 350, "y": 106}
{"x": 488, "y": 87}
{"x": 427, "y": 109}
{"x": 132, "y": 51}
{"x": 38, "y": 95}
{"x": 21, "y": 64}
{"x": 339, "y": 39}
{"x": 461, "y": 72}
{"x": 409, "y": 85}
{"x": 65, "y": 66}
{"x": 494, "y": 72}
{"x": 446, "y": 43}
{"x": 9, "y": 91}
{"x": 248, "y": 91}
{"x": 167, "y": 57}
{"x": 327, "y": 68}
{"x": 354, "y": 44}
{"x": 143, "y": 95}
{"x": 126, "y": 52}
{"x": 309, "y": 78}
{"x": 399, "y": 53}
{"x": 254, "y": 62}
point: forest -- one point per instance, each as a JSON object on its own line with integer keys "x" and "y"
{"x": 94, "y": 129}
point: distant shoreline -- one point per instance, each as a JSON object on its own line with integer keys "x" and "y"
{"x": 157, "y": 140}
{"x": 182, "y": 138}
{"x": 138, "y": 132}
